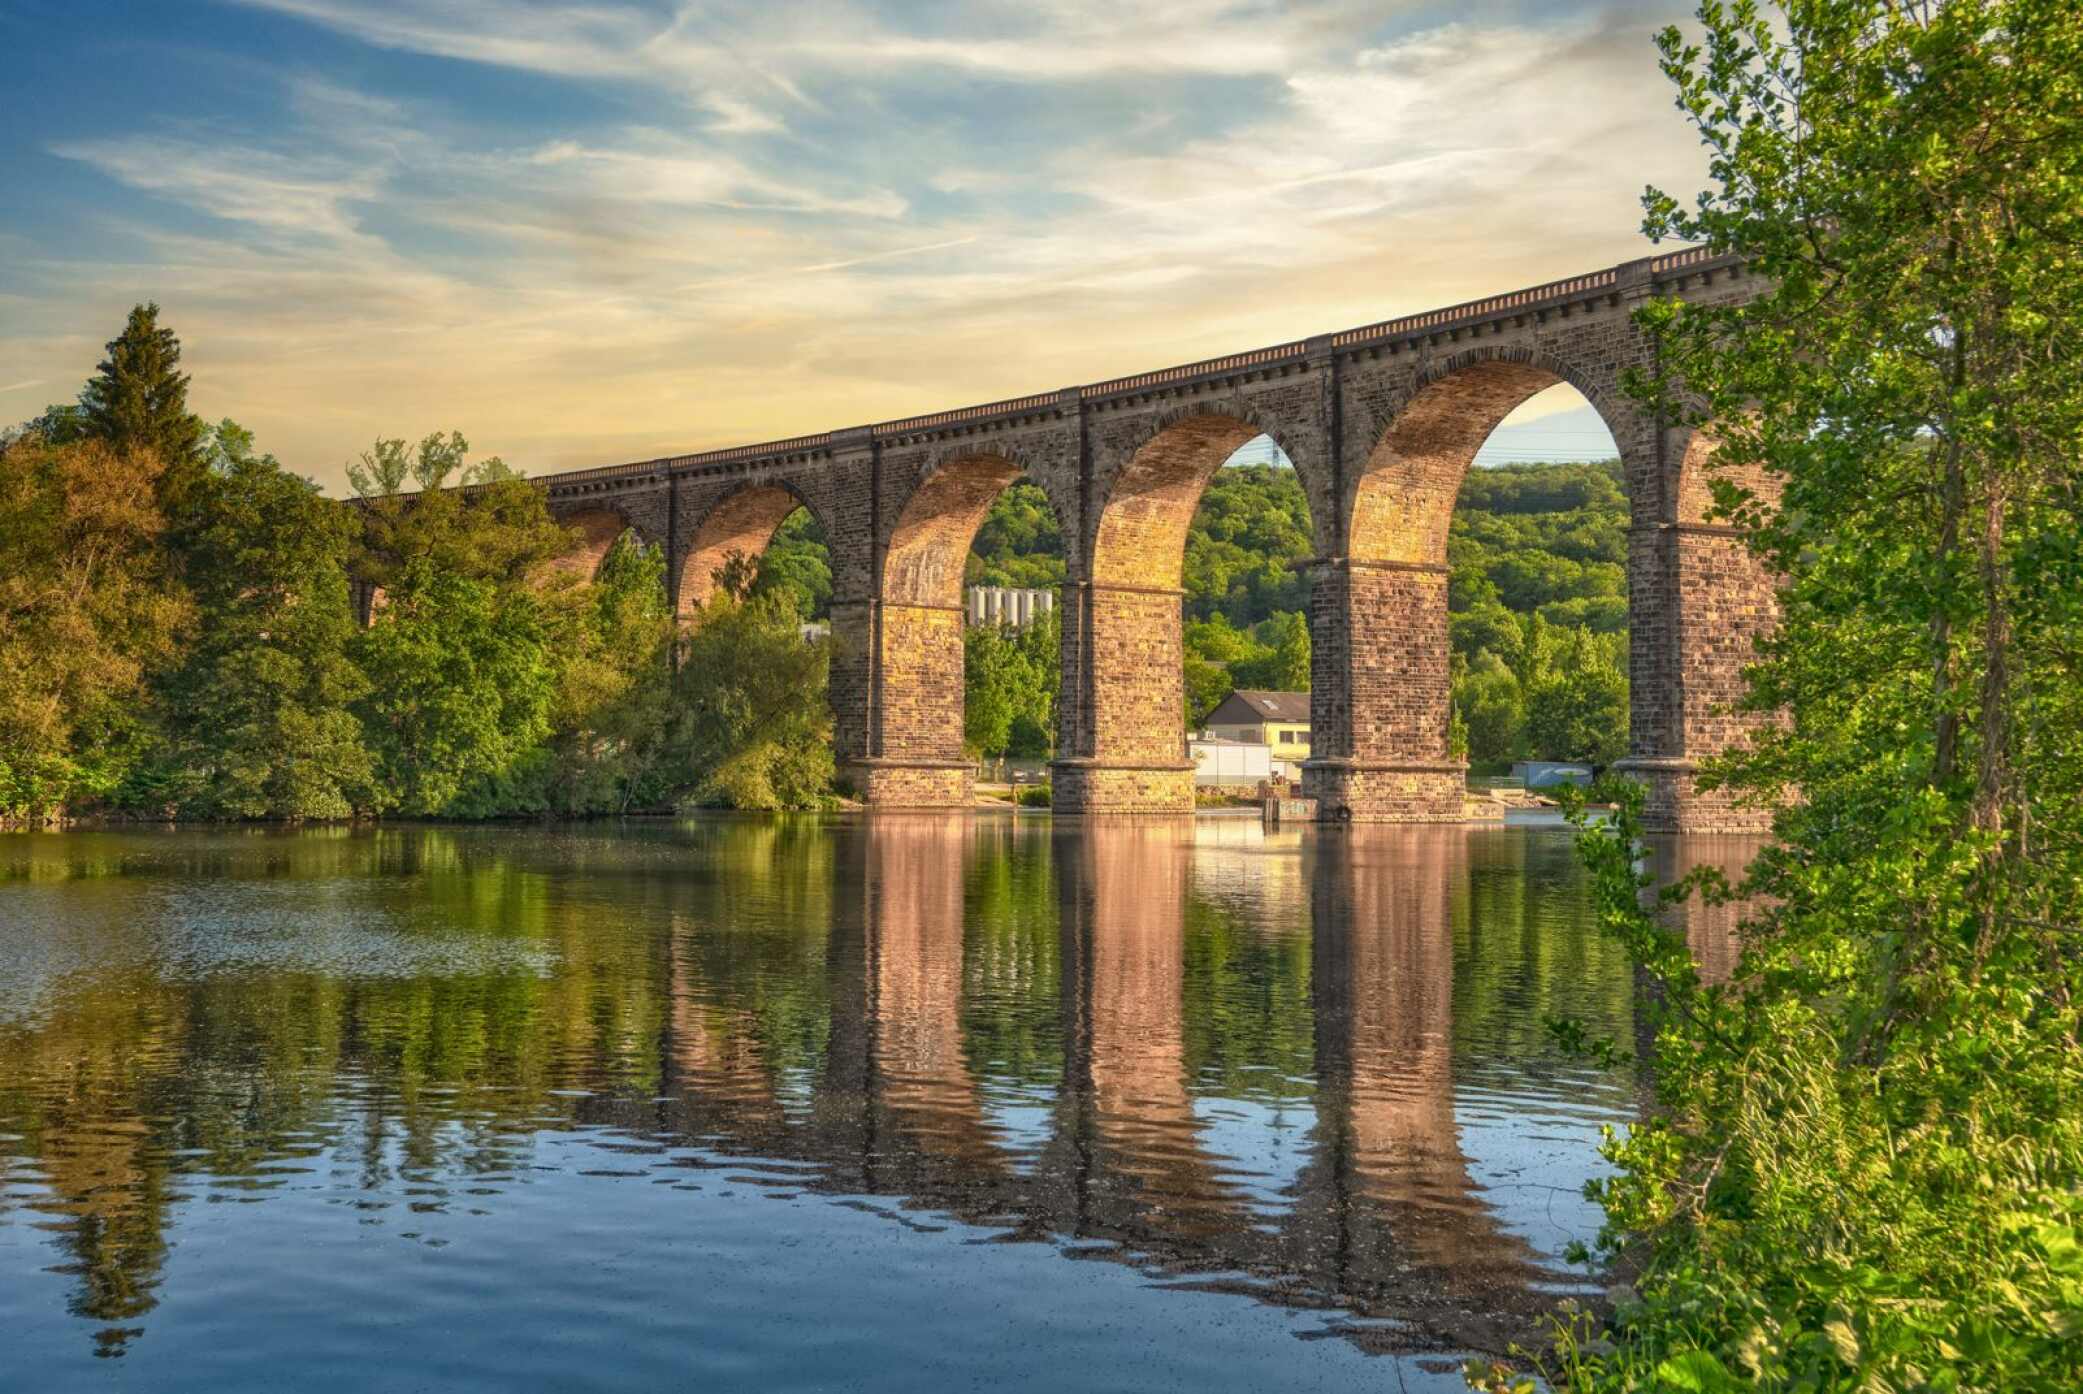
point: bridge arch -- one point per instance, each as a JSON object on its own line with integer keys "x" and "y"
{"x": 1122, "y": 743}
{"x": 1140, "y": 536}
{"x": 1399, "y": 503}
{"x": 740, "y": 523}
{"x": 1381, "y": 674}
{"x": 929, "y": 543}
{"x": 915, "y": 631}
{"x": 596, "y": 530}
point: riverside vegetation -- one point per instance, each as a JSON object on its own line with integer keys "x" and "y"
{"x": 1864, "y": 1168}
{"x": 179, "y": 639}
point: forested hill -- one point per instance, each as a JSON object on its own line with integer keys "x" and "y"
{"x": 1546, "y": 539}
{"x": 1538, "y": 595}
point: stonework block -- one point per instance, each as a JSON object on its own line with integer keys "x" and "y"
{"x": 1081, "y": 786}
{"x": 1137, "y": 687}
{"x": 1673, "y": 802}
{"x": 896, "y": 784}
{"x": 919, "y": 704}
{"x": 1346, "y": 792}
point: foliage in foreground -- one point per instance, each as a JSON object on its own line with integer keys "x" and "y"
{"x": 1865, "y": 1168}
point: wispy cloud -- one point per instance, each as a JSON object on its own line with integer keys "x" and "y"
{"x": 773, "y": 219}
{"x": 278, "y": 193}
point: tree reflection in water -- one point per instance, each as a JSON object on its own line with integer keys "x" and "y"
{"x": 1239, "y": 1060}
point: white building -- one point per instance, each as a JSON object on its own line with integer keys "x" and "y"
{"x": 1007, "y": 606}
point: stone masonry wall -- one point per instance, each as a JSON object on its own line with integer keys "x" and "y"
{"x": 922, "y": 671}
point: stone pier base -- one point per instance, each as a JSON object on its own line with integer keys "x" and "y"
{"x": 1409, "y": 791}
{"x": 887, "y": 783}
{"x": 1088, "y": 786}
{"x": 1674, "y": 803}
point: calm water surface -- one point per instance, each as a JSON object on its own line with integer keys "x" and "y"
{"x": 873, "y": 1104}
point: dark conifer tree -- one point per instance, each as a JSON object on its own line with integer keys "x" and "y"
{"x": 138, "y": 398}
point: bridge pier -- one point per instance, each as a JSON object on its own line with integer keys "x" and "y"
{"x": 1379, "y": 692}
{"x": 1698, "y": 601}
{"x": 896, "y": 686}
{"x": 1122, "y": 706}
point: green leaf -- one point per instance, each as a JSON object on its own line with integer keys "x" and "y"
{"x": 1694, "y": 1372}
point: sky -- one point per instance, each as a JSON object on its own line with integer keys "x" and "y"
{"x": 586, "y": 233}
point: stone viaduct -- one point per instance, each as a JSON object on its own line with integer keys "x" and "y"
{"x": 1381, "y": 423}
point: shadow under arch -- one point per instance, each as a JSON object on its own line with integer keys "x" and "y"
{"x": 739, "y": 524}
{"x": 914, "y": 753}
{"x": 1122, "y": 742}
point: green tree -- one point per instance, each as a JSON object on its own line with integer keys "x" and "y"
{"x": 137, "y": 400}
{"x": 1251, "y": 525}
{"x": 1283, "y": 663}
{"x": 1491, "y": 708}
{"x": 497, "y": 528}
{"x": 86, "y": 614}
{"x": 751, "y": 725}
{"x": 1010, "y": 682}
{"x": 1017, "y": 544}
{"x": 1215, "y": 650}
{"x": 1485, "y": 627}
{"x": 614, "y": 687}
{"x": 258, "y": 720}
{"x": 466, "y": 659}
{"x": 460, "y": 686}
{"x": 1577, "y": 709}
{"x": 1865, "y": 1168}
{"x": 991, "y": 676}
{"x": 797, "y": 562}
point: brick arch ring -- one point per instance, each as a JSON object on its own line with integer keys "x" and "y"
{"x": 599, "y": 525}
{"x": 741, "y": 521}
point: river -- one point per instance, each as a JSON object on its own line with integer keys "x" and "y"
{"x": 887, "y": 1103}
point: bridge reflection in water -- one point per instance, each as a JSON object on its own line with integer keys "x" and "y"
{"x": 1307, "y": 1067}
